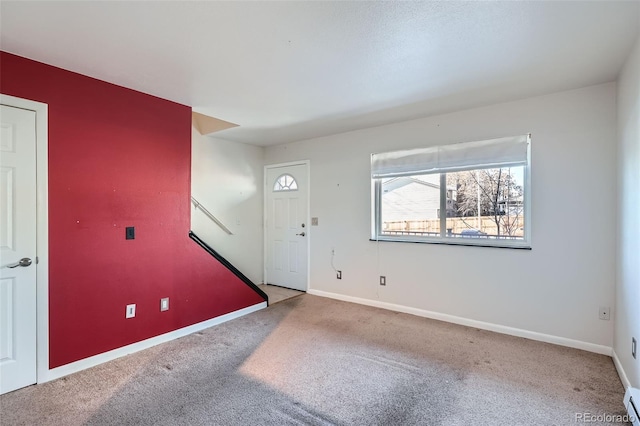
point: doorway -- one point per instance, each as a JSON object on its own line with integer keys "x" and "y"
{"x": 23, "y": 243}
{"x": 287, "y": 230}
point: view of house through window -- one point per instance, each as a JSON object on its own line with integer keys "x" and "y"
{"x": 485, "y": 203}
{"x": 471, "y": 204}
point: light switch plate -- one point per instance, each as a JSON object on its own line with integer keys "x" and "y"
{"x": 131, "y": 311}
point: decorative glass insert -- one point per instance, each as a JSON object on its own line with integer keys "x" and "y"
{"x": 285, "y": 182}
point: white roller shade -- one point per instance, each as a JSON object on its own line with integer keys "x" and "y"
{"x": 503, "y": 152}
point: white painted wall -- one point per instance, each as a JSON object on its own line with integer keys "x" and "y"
{"x": 627, "y": 314}
{"x": 555, "y": 289}
{"x": 226, "y": 177}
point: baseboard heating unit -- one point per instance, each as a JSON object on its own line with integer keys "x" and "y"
{"x": 632, "y": 403}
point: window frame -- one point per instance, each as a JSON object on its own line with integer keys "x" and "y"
{"x": 284, "y": 189}
{"x": 525, "y": 243}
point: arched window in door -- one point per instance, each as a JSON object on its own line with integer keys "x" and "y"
{"x": 285, "y": 182}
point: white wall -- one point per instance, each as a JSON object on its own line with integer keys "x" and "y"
{"x": 555, "y": 289}
{"x": 628, "y": 266}
{"x": 226, "y": 177}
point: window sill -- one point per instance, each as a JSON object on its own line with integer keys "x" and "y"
{"x": 455, "y": 242}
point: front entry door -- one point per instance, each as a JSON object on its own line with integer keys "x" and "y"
{"x": 287, "y": 230}
{"x": 17, "y": 248}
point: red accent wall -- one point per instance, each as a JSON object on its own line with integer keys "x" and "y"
{"x": 118, "y": 158}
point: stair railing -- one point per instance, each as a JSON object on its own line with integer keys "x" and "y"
{"x": 210, "y": 215}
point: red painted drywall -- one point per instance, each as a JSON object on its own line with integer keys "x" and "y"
{"x": 118, "y": 158}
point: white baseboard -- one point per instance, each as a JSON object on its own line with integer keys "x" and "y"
{"x": 623, "y": 376}
{"x": 547, "y": 338}
{"x": 83, "y": 364}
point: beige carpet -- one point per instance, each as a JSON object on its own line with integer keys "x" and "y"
{"x": 316, "y": 361}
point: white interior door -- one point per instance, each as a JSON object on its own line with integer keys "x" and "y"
{"x": 17, "y": 248}
{"x": 287, "y": 230}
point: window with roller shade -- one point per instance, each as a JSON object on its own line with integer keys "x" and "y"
{"x": 473, "y": 193}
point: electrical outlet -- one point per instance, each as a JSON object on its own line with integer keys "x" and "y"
{"x": 339, "y": 275}
{"x": 383, "y": 280}
{"x": 633, "y": 347}
{"x": 131, "y": 311}
{"x": 164, "y": 304}
{"x": 605, "y": 313}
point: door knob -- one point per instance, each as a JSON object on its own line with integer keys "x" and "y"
{"x": 24, "y": 262}
{"x": 302, "y": 234}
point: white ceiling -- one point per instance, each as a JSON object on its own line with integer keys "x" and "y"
{"x": 287, "y": 71}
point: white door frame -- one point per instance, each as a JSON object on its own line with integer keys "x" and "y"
{"x": 42, "y": 230}
{"x": 307, "y": 219}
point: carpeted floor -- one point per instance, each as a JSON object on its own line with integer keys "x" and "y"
{"x": 317, "y": 361}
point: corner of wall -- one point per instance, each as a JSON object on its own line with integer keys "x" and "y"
{"x": 627, "y": 319}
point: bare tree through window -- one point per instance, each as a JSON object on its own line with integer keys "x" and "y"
{"x": 490, "y": 193}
